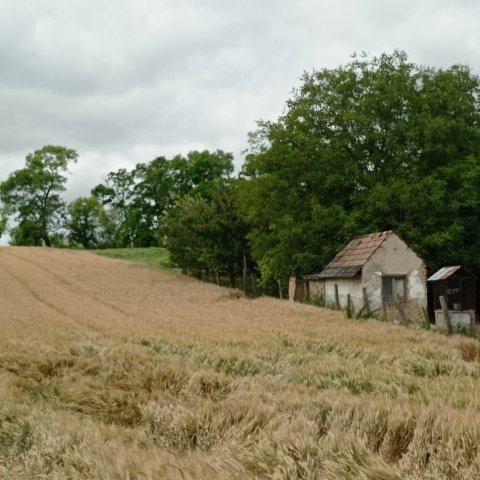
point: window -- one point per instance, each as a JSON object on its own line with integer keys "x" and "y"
{"x": 393, "y": 289}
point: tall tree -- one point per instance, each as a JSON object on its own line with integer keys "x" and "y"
{"x": 3, "y": 225}
{"x": 203, "y": 229}
{"x": 142, "y": 196}
{"x": 154, "y": 191}
{"x": 376, "y": 144}
{"x": 118, "y": 194}
{"x": 207, "y": 233}
{"x": 31, "y": 196}
{"x": 198, "y": 172}
{"x": 87, "y": 223}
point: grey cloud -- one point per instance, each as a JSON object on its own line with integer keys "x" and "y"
{"x": 123, "y": 81}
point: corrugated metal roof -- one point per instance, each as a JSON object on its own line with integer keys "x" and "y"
{"x": 443, "y": 273}
{"x": 353, "y": 257}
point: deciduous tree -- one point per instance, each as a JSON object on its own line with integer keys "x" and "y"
{"x": 376, "y": 144}
{"x": 86, "y": 222}
{"x": 31, "y": 196}
{"x": 206, "y": 233}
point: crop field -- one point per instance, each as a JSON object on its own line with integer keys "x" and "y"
{"x": 114, "y": 370}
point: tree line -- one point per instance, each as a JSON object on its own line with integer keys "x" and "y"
{"x": 377, "y": 144}
{"x": 187, "y": 204}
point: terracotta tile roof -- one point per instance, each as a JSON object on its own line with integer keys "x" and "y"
{"x": 351, "y": 259}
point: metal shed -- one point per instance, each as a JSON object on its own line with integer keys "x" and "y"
{"x": 457, "y": 286}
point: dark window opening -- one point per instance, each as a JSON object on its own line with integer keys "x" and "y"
{"x": 393, "y": 289}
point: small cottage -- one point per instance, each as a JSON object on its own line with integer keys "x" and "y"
{"x": 378, "y": 273}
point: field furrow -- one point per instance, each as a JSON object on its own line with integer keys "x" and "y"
{"x": 112, "y": 370}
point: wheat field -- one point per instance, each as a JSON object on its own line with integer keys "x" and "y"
{"x": 113, "y": 370}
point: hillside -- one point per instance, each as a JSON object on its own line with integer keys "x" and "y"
{"x": 113, "y": 370}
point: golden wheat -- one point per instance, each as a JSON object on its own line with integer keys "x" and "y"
{"x": 111, "y": 370}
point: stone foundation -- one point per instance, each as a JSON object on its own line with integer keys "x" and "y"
{"x": 413, "y": 313}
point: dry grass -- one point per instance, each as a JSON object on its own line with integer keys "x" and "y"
{"x": 110, "y": 370}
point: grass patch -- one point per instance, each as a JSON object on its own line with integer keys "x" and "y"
{"x": 156, "y": 257}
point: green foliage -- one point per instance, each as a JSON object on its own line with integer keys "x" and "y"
{"x": 27, "y": 233}
{"x": 374, "y": 145}
{"x": 187, "y": 203}
{"x": 350, "y": 311}
{"x": 199, "y": 172}
{"x": 316, "y": 300}
{"x": 87, "y": 222}
{"x": 137, "y": 200}
{"x": 31, "y": 196}
{"x": 3, "y": 225}
{"x": 118, "y": 194}
{"x": 206, "y": 233}
{"x": 152, "y": 256}
{"x": 377, "y": 144}
{"x": 25, "y": 440}
{"x": 154, "y": 191}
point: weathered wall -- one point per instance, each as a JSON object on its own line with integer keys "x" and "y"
{"x": 413, "y": 313}
{"x": 296, "y": 289}
{"x": 394, "y": 257}
{"x": 317, "y": 288}
{"x": 457, "y": 318}
{"x": 346, "y": 286}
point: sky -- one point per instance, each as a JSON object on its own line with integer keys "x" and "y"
{"x": 125, "y": 81}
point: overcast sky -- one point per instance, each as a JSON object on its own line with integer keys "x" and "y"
{"x": 124, "y": 81}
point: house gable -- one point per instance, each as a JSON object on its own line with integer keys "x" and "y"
{"x": 394, "y": 258}
{"x": 349, "y": 262}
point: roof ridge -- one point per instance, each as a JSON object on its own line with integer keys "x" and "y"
{"x": 356, "y": 253}
{"x": 375, "y": 234}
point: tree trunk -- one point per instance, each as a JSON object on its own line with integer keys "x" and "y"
{"x": 254, "y": 284}
{"x": 44, "y": 232}
{"x": 233, "y": 280}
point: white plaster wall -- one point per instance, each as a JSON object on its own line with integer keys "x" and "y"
{"x": 462, "y": 318}
{"x": 346, "y": 286}
{"x": 373, "y": 284}
{"x": 394, "y": 257}
{"x": 417, "y": 289}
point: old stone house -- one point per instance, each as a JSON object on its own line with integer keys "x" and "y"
{"x": 377, "y": 272}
